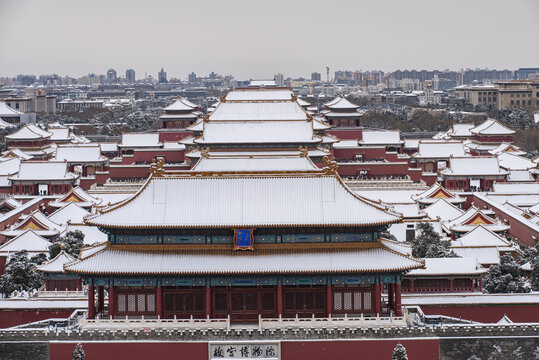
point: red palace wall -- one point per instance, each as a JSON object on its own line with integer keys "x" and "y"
{"x": 346, "y": 133}
{"x": 420, "y": 349}
{"x": 17, "y": 317}
{"x": 517, "y": 230}
{"x": 368, "y": 153}
{"x": 487, "y": 313}
{"x": 173, "y": 135}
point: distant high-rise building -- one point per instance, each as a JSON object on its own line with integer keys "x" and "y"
{"x": 162, "y": 76}
{"x": 111, "y": 76}
{"x": 192, "y": 78}
{"x": 213, "y": 76}
{"x": 524, "y": 73}
{"x": 316, "y": 76}
{"x": 130, "y": 76}
{"x": 279, "y": 79}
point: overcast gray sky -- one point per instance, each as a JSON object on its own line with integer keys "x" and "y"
{"x": 259, "y": 38}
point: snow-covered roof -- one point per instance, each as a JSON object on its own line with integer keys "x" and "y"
{"x": 37, "y": 222}
{"x": 43, "y": 170}
{"x": 27, "y": 240}
{"x": 491, "y": 127}
{"x": 29, "y": 132}
{"x": 79, "y": 154}
{"x": 262, "y": 94}
{"x": 92, "y": 234}
{"x": 10, "y": 203}
{"x": 9, "y": 166}
{"x": 435, "y": 192}
{"x": 473, "y": 217}
{"x": 268, "y": 199}
{"x": 18, "y": 153}
{"x": 108, "y": 147}
{"x": 118, "y": 261}
{"x": 304, "y": 103}
{"x": 480, "y": 236}
{"x": 319, "y": 125}
{"x": 484, "y": 256}
{"x": 6, "y": 110}
{"x": 344, "y": 144}
{"x": 411, "y": 144}
{"x": 381, "y": 137}
{"x": 449, "y": 266}
{"x": 520, "y": 175}
{"x": 197, "y": 126}
{"x": 476, "y": 298}
{"x": 340, "y": 102}
{"x": 509, "y": 161}
{"x": 221, "y": 132}
{"x": 56, "y": 265}
{"x": 443, "y": 210}
{"x": 134, "y": 140}
{"x": 439, "y": 149}
{"x": 476, "y": 165}
{"x": 181, "y": 104}
{"x": 258, "y": 111}
{"x": 262, "y": 83}
{"x": 5, "y": 125}
{"x": 390, "y": 196}
{"x": 76, "y": 195}
{"x": 509, "y": 148}
{"x": 462, "y": 130}
{"x": 60, "y": 134}
{"x": 254, "y": 163}
{"x": 71, "y": 212}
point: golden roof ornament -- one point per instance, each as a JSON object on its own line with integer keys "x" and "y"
{"x": 222, "y": 98}
{"x": 303, "y": 151}
{"x": 205, "y": 152}
{"x": 330, "y": 166}
{"x": 294, "y": 97}
{"x": 156, "y": 168}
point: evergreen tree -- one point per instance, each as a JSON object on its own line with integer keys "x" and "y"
{"x": 72, "y": 241}
{"x": 399, "y": 353}
{"x": 534, "y": 278}
{"x": 38, "y": 259}
{"x": 78, "y": 353}
{"x": 505, "y": 277}
{"x": 429, "y": 244}
{"x": 20, "y": 275}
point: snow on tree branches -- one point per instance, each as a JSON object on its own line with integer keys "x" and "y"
{"x": 73, "y": 241}
{"x": 399, "y": 353}
{"x": 20, "y": 274}
{"x": 505, "y": 277}
{"x": 429, "y": 244}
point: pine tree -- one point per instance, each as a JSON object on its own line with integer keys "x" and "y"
{"x": 534, "y": 278}
{"x": 399, "y": 353}
{"x": 73, "y": 242}
{"x": 505, "y": 277}
{"x": 20, "y": 275}
{"x": 429, "y": 244}
{"x": 78, "y": 353}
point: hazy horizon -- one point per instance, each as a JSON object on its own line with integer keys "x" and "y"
{"x": 255, "y": 39}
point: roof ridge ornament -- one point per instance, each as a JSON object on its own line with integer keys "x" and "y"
{"x": 303, "y": 151}
{"x": 330, "y": 166}
{"x": 205, "y": 152}
{"x": 156, "y": 168}
{"x": 294, "y": 97}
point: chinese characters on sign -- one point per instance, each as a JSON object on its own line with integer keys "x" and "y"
{"x": 243, "y": 239}
{"x": 268, "y": 351}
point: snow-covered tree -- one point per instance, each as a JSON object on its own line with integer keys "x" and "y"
{"x": 399, "y": 353}
{"x": 505, "y": 277}
{"x": 72, "y": 242}
{"x": 429, "y": 244}
{"x": 78, "y": 353}
{"x": 20, "y": 275}
{"x": 38, "y": 259}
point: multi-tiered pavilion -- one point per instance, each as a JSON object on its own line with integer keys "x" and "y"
{"x": 244, "y": 243}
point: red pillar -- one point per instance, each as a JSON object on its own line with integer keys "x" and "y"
{"x": 159, "y": 301}
{"x": 411, "y": 285}
{"x": 91, "y": 302}
{"x": 390, "y": 296}
{"x": 100, "y": 299}
{"x": 398, "y": 309}
{"x": 112, "y": 301}
{"x": 279, "y": 300}
{"x": 377, "y": 299}
{"x": 451, "y": 285}
{"x": 208, "y": 301}
{"x": 329, "y": 300}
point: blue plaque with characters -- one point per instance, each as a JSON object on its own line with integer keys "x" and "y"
{"x": 243, "y": 239}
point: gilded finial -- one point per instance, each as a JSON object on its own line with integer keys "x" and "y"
{"x": 222, "y": 98}
{"x": 303, "y": 152}
{"x": 330, "y": 166}
{"x": 156, "y": 168}
{"x": 294, "y": 97}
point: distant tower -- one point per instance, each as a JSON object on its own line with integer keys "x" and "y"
{"x": 192, "y": 78}
{"x": 111, "y": 76}
{"x": 162, "y": 76}
{"x": 316, "y": 76}
{"x": 279, "y": 79}
{"x": 130, "y": 76}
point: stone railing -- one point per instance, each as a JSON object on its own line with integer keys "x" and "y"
{"x": 263, "y": 324}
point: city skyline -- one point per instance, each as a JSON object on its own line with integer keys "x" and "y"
{"x": 294, "y": 39}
